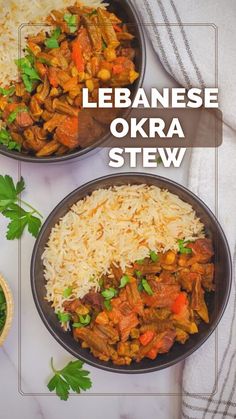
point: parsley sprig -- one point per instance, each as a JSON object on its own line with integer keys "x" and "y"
{"x": 10, "y": 208}
{"x": 71, "y": 377}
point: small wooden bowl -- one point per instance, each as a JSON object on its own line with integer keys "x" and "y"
{"x": 10, "y": 306}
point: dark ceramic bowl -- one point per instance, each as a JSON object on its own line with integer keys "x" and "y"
{"x": 126, "y": 11}
{"x": 216, "y": 301}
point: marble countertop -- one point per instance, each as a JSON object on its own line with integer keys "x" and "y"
{"x": 26, "y": 355}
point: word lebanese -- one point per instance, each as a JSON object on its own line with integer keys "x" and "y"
{"x": 169, "y": 98}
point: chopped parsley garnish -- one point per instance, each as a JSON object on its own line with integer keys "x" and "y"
{"x": 7, "y": 140}
{"x": 28, "y": 73}
{"x": 182, "y": 247}
{"x": 94, "y": 12}
{"x": 138, "y": 274}
{"x": 107, "y": 305}
{"x": 154, "y": 257}
{"x": 83, "y": 321}
{"x": 71, "y": 21}
{"x": 7, "y": 92}
{"x": 124, "y": 281}
{"x": 52, "y": 42}
{"x": 63, "y": 317}
{"x": 12, "y": 117}
{"x": 140, "y": 261}
{"x": 146, "y": 287}
{"x": 67, "y": 292}
{"x": 109, "y": 293}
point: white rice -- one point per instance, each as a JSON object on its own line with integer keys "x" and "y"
{"x": 15, "y": 13}
{"x": 121, "y": 225}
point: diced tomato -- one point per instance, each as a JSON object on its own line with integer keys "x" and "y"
{"x": 179, "y": 303}
{"x": 152, "y": 354}
{"x": 117, "y": 69}
{"x": 146, "y": 337}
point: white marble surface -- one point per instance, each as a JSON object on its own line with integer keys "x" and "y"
{"x": 46, "y": 186}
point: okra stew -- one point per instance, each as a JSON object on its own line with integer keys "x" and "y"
{"x": 142, "y": 312}
{"x": 42, "y": 113}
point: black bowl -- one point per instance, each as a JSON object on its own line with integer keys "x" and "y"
{"x": 216, "y": 301}
{"x": 127, "y": 12}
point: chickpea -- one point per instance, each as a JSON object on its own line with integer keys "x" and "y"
{"x": 104, "y": 75}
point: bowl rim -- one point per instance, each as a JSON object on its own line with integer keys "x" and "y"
{"x": 83, "y": 153}
{"x": 109, "y": 368}
{"x": 10, "y": 309}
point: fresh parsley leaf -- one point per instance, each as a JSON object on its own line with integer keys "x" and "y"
{"x": 109, "y": 293}
{"x": 56, "y": 33}
{"x": 147, "y": 287}
{"x": 124, "y": 281}
{"x": 7, "y": 141}
{"x": 20, "y": 186}
{"x": 32, "y": 73}
{"x": 7, "y": 92}
{"x": 10, "y": 208}
{"x": 67, "y": 292}
{"x": 71, "y": 21}
{"x": 140, "y": 287}
{"x": 7, "y": 189}
{"x": 15, "y": 228}
{"x": 70, "y": 377}
{"x": 107, "y": 305}
{"x": 14, "y": 211}
{"x": 28, "y": 73}
{"x": 182, "y": 247}
{"x": 154, "y": 257}
{"x": 12, "y": 117}
{"x": 52, "y": 42}
{"x": 34, "y": 225}
{"x": 30, "y": 56}
{"x": 83, "y": 321}
{"x": 63, "y": 317}
{"x": 140, "y": 261}
{"x": 28, "y": 83}
{"x": 43, "y": 61}
{"x": 94, "y": 12}
{"x": 77, "y": 325}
